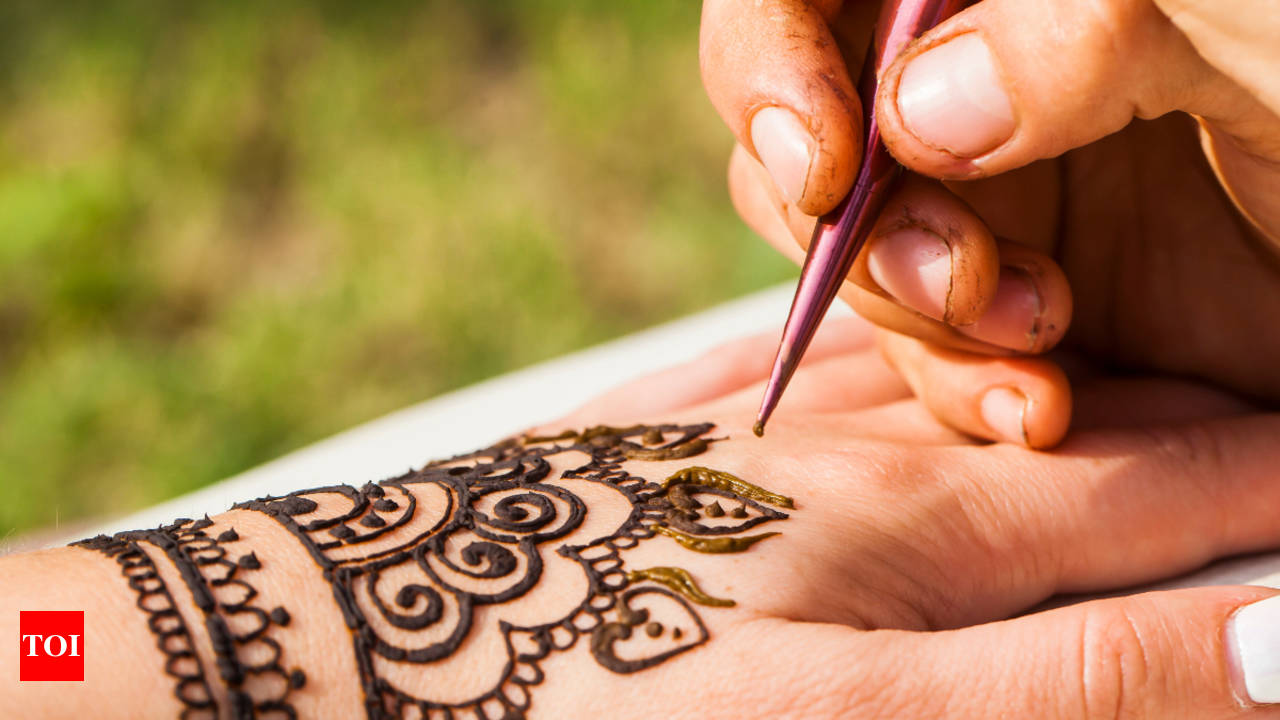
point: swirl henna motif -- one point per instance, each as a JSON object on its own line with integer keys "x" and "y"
{"x": 429, "y": 566}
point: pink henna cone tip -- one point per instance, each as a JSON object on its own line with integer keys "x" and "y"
{"x": 840, "y": 234}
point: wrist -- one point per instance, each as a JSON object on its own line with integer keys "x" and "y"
{"x": 117, "y": 649}
{"x": 212, "y": 618}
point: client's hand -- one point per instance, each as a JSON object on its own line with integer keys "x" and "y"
{"x": 1168, "y": 232}
{"x": 862, "y": 560}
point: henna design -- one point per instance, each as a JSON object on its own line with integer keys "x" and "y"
{"x": 680, "y": 581}
{"x": 606, "y": 637}
{"x": 713, "y": 545}
{"x": 248, "y": 660}
{"x": 706, "y": 477}
{"x": 421, "y": 563}
{"x": 165, "y": 622}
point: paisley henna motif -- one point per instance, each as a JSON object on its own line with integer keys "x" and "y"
{"x": 414, "y": 560}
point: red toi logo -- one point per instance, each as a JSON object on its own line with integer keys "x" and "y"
{"x": 51, "y": 644}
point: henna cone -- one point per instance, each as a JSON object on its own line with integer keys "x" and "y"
{"x": 841, "y": 233}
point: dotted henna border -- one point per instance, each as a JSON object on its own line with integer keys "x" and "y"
{"x": 203, "y": 564}
{"x": 173, "y": 639}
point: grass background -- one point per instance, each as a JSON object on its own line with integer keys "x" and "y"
{"x": 228, "y": 229}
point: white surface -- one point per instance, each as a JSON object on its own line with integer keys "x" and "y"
{"x": 477, "y": 415}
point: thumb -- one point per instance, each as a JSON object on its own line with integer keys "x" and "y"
{"x": 1008, "y": 82}
{"x": 1177, "y": 654}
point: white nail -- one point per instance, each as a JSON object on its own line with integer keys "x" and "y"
{"x": 1253, "y": 635}
{"x": 785, "y": 147}
{"x": 1004, "y": 410}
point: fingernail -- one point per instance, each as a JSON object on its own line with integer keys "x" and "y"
{"x": 951, "y": 97}
{"x": 1004, "y": 410}
{"x": 914, "y": 266}
{"x": 1013, "y": 321}
{"x": 1253, "y": 639}
{"x": 785, "y": 147}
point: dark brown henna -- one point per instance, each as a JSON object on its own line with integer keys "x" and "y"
{"x": 467, "y": 556}
{"x": 209, "y": 574}
{"x": 417, "y": 556}
{"x": 165, "y": 622}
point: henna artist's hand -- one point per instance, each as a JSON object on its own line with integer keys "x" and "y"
{"x": 628, "y": 573}
{"x": 1051, "y": 193}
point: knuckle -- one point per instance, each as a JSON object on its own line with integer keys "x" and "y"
{"x": 1112, "y": 23}
{"x": 1134, "y": 33}
{"x": 1197, "y": 457}
{"x": 1115, "y": 668}
{"x": 1192, "y": 452}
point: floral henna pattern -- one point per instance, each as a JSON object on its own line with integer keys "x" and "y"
{"x": 441, "y": 567}
{"x": 247, "y": 659}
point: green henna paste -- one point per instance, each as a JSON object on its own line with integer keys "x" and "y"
{"x": 680, "y": 581}
{"x": 535, "y": 439}
{"x": 630, "y": 450}
{"x": 720, "y": 480}
{"x": 679, "y": 452}
{"x": 715, "y": 545}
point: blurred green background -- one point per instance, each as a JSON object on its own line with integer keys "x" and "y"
{"x": 230, "y": 229}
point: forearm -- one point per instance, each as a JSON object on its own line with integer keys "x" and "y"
{"x": 201, "y": 618}
{"x": 442, "y": 590}
{"x": 118, "y": 649}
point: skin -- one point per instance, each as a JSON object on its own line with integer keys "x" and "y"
{"x": 1152, "y": 245}
{"x": 896, "y": 589}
